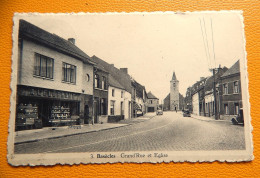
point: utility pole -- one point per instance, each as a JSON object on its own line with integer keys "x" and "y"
{"x": 215, "y": 97}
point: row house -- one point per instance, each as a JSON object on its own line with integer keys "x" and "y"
{"x": 139, "y": 97}
{"x": 119, "y": 100}
{"x": 230, "y": 92}
{"x": 55, "y": 79}
{"x": 209, "y": 100}
{"x": 152, "y": 102}
{"x": 227, "y": 100}
{"x": 197, "y": 95}
{"x": 100, "y": 93}
{"x": 58, "y": 84}
{"x": 200, "y": 97}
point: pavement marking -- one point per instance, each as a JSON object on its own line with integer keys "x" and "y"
{"x": 109, "y": 139}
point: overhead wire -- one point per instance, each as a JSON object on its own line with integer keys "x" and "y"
{"x": 213, "y": 45}
{"x": 207, "y": 57}
{"x": 207, "y": 40}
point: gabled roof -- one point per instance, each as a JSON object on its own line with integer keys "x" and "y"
{"x": 208, "y": 86}
{"x": 151, "y": 96}
{"x": 114, "y": 83}
{"x": 122, "y": 78}
{"x": 140, "y": 89}
{"x": 235, "y": 69}
{"x": 28, "y": 30}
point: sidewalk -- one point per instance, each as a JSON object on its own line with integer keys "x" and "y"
{"x": 208, "y": 119}
{"x": 204, "y": 118}
{"x": 26, "y": 136}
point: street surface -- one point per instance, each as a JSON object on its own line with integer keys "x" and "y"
{"x": 169, "y": 132}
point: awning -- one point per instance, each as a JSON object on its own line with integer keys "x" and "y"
{"x": 136, "y": 107}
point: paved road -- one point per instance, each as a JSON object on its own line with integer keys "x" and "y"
{"x": 162, "y": 133}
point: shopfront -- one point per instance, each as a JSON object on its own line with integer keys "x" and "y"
{"x": 47, "y": 107}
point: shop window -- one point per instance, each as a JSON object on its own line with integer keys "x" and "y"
{"x": 226, "y": 109}
{"x": 236, "y": 108}
{"x": 235, "y": 87}
{"x": 112, "y": 107}
{"x": 68, "y": 73}
{"x": 225, "y": 89}
{"x": 43, "y": 66}
{"x": 96, "y": 81}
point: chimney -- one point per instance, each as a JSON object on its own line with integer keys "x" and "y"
{"x": 202, "y": 78}
{"x": 72, "y": 40}
{"x": 125, "y": 70}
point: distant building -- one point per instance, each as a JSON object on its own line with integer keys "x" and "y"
{"x": 139, "y": 98}
{"x": 230, "y": 92}
{"x": 152, "y": 102}
{"x": 209, "y": 100}
{"x": 174, "y": 100}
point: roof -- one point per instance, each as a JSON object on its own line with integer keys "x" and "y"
{"x": 167, "y": 97}
{"x": 208, "y": 86}
{"x": 35, "y": 33}
{"x": 174, "y": 76}
{"x": 235, "y": 69}
{"x": 114, "y": 83}
{"x": 140, "y": 89}
{"x": 122, "y": 78}
{"x": 151, "y": 96}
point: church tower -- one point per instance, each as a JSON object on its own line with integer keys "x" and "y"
{"x": 174, "y": 93}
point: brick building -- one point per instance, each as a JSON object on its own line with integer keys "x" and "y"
{"x": 230, "y": 92}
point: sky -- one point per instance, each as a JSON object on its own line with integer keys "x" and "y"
{"x": 153, "y": 45}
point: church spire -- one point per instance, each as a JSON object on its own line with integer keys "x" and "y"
{"x": 174, "y": 76}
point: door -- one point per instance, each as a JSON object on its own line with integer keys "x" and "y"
{"x": 96, "y": 112}
{"x": 86, "y": 114}
{"x": 121, "y": 108}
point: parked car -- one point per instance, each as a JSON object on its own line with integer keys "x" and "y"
{"x": 139, "y": 113}
{"x": 239, "y": 119}
{"x": 159, "y": 112}
{"x": 186, "y": 113}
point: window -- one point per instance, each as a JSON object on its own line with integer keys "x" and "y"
{"x": 225, "y": 89}
{"x": 226, "y": 109}
{"x": 103, "y": 85}
{"x": 236, "y": 108}
{"x": 103, "y": 106}
{"x": 87, "y": 78}
{"x": 113, "y": 92}
{"x": 151, "y": 101}
{"x": 236, "y": 87}
{"x": 68, "y": 73}
{"x": 112, "y": 107}
{"x": 96, "y": 81}
{"x": 43, "y": 66}
{"x": 122, "y": 94}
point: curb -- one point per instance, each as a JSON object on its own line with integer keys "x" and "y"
{"x": 211, "y": 120}
{"x": 73, "y": 134}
